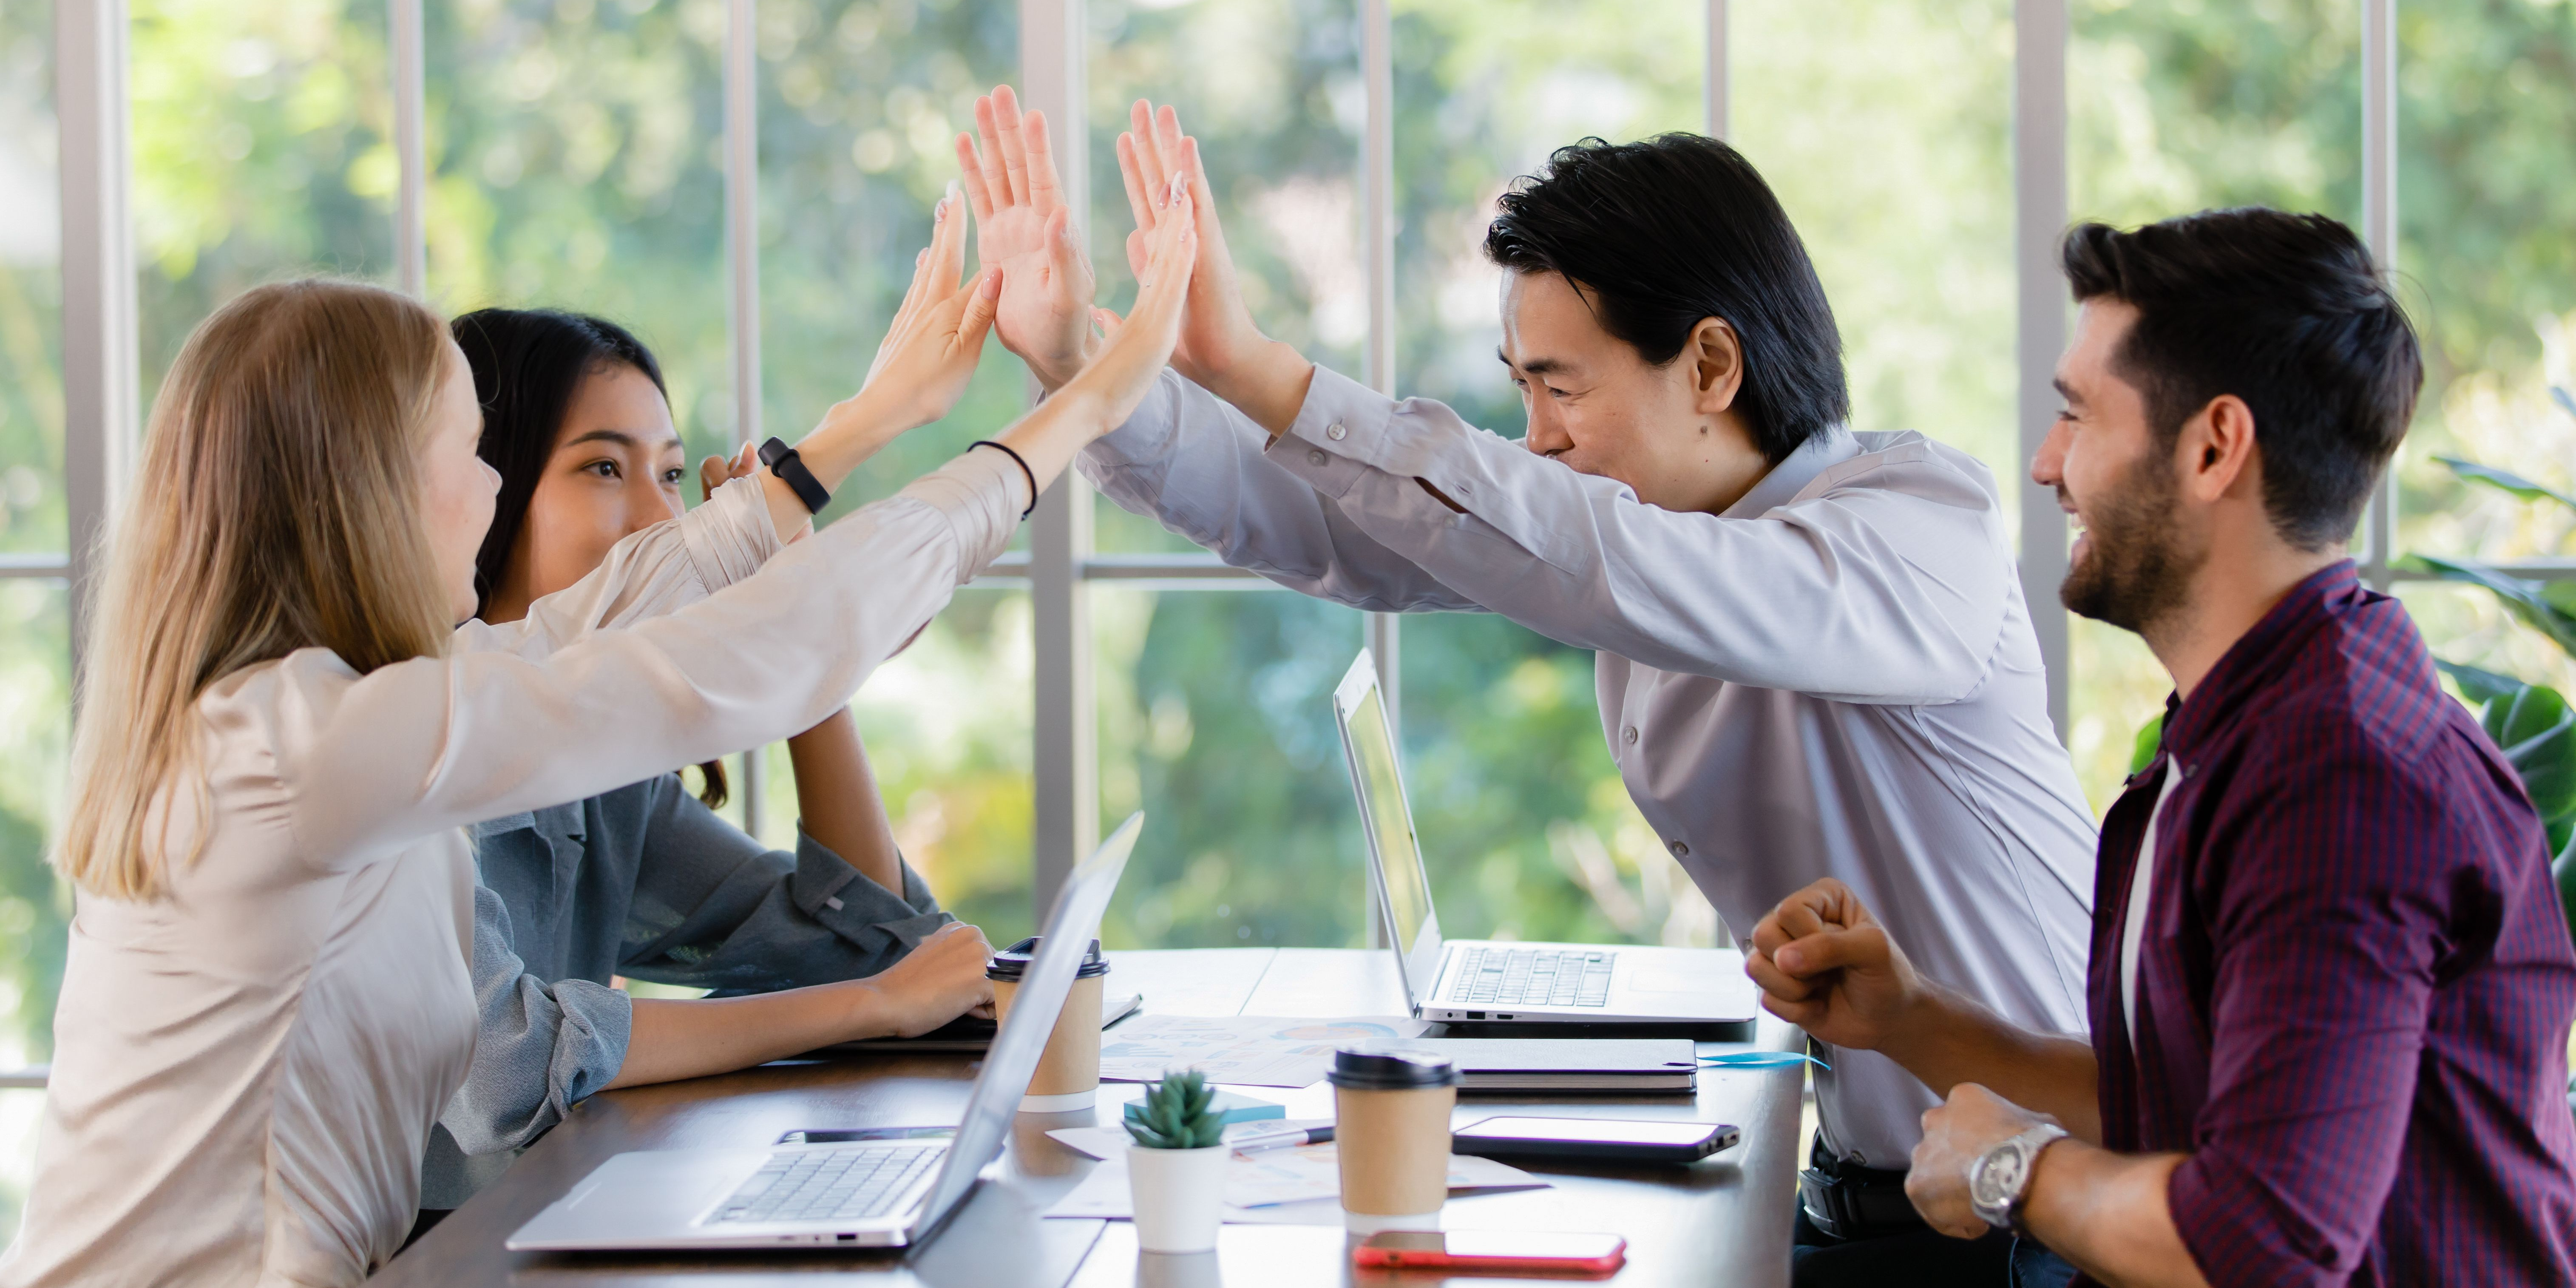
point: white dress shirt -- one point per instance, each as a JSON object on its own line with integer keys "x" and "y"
{"x": 1834, "y": 678}
{"x": 246, "y": 1069}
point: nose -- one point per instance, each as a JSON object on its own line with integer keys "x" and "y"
{"x": 648, "y": 503}
{"x": 2048, "y": 468}
{"x": 1546, "y": 431}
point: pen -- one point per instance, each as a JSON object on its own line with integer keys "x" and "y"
{"x": 1281, "y": 1140}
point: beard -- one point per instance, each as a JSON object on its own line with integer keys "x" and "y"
{"x": 2136, "y": 568}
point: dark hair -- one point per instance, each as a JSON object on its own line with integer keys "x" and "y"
{"x": 2287, "y": 312}
{"x": 527, "y": 364}
{"x": 1669, "y": 231}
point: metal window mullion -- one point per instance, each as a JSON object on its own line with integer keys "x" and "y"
{"x": 1063, "y": 725}
{"x": 101, "y": 385}
{"x": 742, "y": 254}
{"x": 2379, "y": 229}
{"x": 411, "y": 238}
{"x": 1382, "y": 632}
{"x": 2039, "y": 220}
{"x": 1715, "y": 83}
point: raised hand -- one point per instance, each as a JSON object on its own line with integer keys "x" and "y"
{"x": 1137, "y": 348}
{"x": 1025, "y": 229}
{"x": 1218, "y": 330}
{"x": 929, "y": 351}
{"x": 1827, "y": 966}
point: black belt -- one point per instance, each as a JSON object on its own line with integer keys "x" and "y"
{"x": 1848, "y": 1201}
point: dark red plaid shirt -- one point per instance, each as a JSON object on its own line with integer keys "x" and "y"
{"x": 2355, "y": 985}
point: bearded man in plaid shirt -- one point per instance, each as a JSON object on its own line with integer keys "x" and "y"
{"x": 2331, "y": 981}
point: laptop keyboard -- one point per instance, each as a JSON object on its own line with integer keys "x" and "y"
{"x": 827, "y": 1184}
{"x": 1531, "y": 977}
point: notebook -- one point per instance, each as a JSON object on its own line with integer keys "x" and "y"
{"x": 1567, "y": 1064}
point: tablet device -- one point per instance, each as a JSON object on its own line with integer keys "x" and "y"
{"x": 1635, "y": 1140}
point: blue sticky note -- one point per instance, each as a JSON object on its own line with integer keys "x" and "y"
{"x": 1229, "y": 1108}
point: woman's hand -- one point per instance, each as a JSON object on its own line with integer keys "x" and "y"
{"x": 716, "y": 471}
{"x": 929, "y": 352}
{"x": 936, "y": 982}
{"x": 1139, "y": 347}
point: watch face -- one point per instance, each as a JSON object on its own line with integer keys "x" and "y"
{"x": 1998, "y": 1180}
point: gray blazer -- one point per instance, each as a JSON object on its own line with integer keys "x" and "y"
{"x": 645, "y": 882}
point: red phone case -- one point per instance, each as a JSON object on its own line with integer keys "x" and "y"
{"x": 1376, "y": 1257}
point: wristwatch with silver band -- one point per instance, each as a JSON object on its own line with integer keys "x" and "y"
{"x": 1999, "y": 1178}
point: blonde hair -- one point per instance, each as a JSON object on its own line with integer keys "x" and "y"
{"x": 277, "y": 507}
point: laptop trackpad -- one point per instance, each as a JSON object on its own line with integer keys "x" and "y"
{"x": 1666, "y": 979}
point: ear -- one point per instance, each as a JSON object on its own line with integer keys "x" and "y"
{"x": 2215, "y": 452}
{"x": 1716, "y": 356}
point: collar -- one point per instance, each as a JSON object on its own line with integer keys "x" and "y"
{"x": 1823, "y": 450}
{"x": 2258, "y": 658}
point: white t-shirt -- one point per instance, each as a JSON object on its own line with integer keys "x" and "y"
{"x": 2142, "y": 882}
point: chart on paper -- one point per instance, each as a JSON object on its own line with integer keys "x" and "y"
{"x": 1243, "y": 1050}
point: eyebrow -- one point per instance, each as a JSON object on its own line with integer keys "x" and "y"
{"x": 2066, "y": 391}
{"x": 620, "y": 437}
{"x": 1535, "y": 366}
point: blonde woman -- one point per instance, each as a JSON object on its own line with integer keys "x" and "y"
{"x": 266, "y": 1003}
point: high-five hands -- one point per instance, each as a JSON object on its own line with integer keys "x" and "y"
{"x": 1221, "y": 349}
{"x": 1138, "y": 348}
{"x": 1025, "y": 229}
{"x": 929, "y": 352}
{"x": 1827, "y": 966}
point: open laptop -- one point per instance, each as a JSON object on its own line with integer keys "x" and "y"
{"x": 872, "y": 1193}
{"x": 1476, "y": 980}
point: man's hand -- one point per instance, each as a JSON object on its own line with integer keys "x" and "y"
{"x": 1025, "y": 228}
{"x": 1827, "y": 966}
{"x": 1221, "y": 349}
{"x": 936, "y": 982}
{"x": 1956, "y": 1135}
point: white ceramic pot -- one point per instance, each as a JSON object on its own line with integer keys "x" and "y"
{"x": 1180, "y": 1196}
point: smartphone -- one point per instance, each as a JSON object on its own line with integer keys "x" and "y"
{"x": 1494, "y": 1250}
{"x": 1632, "y": 1139}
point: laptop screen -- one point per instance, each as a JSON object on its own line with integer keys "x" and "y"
{"x": 1389, "y": 819}
{"x": 1013, "y": 1058}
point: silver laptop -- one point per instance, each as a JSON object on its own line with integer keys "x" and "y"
{"x": 886, "y": 1193}
{"x": 1477, "y": 980}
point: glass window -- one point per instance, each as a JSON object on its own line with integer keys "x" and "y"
{"x": 574, "y": 159}
{"x": 2485, "y": 94}
{"x": 1216, "y": 719}
{"x": 2176, "y": 108}
{"x": 261, "y": 150}
{"x": 1272, "y": 90}
{"x": 859, "y": 102}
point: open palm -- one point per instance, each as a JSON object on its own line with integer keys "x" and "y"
{"x": 1024, "y": 227}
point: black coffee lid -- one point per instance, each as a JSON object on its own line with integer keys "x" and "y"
{"x": 1394, "y": 1069}
{"x": 1013, "y": 962}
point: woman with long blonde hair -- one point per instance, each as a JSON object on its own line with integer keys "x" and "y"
{"x": 266, "y": 1002}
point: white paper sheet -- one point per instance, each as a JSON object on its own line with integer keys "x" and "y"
{"x": 1273, "y": 1186}
{"x": 1247, "y": 1050}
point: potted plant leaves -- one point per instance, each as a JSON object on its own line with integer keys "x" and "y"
{"x": 1176, "y": 1164}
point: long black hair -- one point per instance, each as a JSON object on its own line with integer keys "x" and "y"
{"x": 527, "y": 365}
{"x": 1676, "y": 228}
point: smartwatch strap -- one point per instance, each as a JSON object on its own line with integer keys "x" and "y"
{"x": 783, "y": 461}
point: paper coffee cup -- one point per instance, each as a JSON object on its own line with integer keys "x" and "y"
{"x": 1068, "y": 1075}
{"x": 1391, "y": 1131}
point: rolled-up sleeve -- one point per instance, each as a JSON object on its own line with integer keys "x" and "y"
{"x": 540, "y": 1048}
{"x": 715, "y": 909}
{"x": 2317, "y": 1016}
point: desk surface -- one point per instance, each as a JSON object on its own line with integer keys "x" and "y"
{"x": 1722, "y": 1221}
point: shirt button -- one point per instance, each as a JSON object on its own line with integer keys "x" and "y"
{"x": 1631, "y": 735}
{"x": 1680, "y": 851}
{"x": 1335, "y": 432}
{"x": 1315, "y": 457}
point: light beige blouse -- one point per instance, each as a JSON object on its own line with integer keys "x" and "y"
{"x": 246, "y": 1070}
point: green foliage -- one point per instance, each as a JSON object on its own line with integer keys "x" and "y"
{"x": 2142, "y": 749}
{"x": 1175, "y": 1114}
{"x": 2506, "y": 481}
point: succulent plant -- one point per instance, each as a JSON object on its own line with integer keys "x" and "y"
{"x": 1175, "y": 1113}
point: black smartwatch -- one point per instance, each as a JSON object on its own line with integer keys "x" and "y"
{"x": 783, "y": 461}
